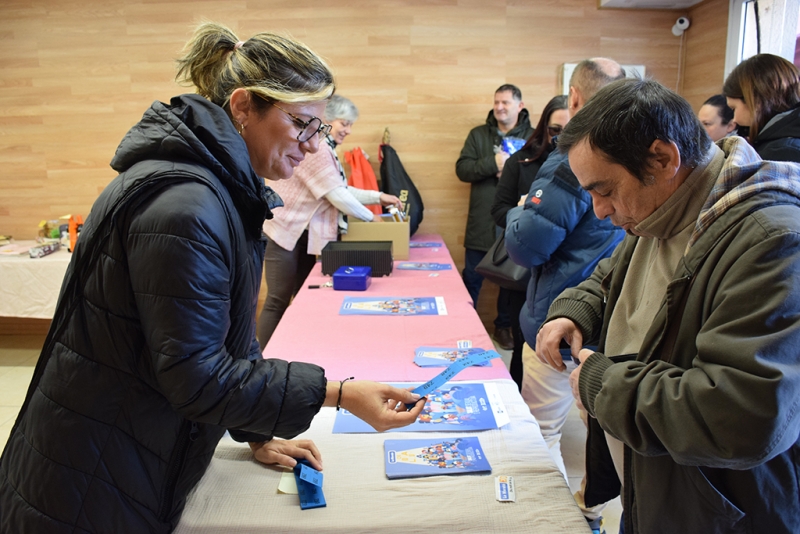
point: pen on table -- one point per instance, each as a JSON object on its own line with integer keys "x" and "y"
{"x": 317, "y": 286}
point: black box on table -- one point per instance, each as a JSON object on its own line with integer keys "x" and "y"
{"x": 374, "y": 254}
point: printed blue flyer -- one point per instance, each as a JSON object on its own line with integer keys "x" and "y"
{"x": 456, "y": 406}
{"x": 423, "y": 266}
{"x": 407, "y": 458}
{"x": 393, "y": 306}
{"x": 444, "y": 356}
{"x": 423, "y": 244}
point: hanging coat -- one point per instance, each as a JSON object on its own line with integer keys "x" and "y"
{"x": 362, "y": 176}
{"x": 395, "y": 181}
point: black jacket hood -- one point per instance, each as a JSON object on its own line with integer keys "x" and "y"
{"x": 788, "y": 125}
{"x": 523, "y": 123}
{"x": 191, "y": 129}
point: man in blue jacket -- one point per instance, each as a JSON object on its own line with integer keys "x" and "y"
{"x": 556, "y": 234}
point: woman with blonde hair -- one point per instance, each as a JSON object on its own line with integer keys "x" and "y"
{"x": 764, "y": 93}
{"x": 152, "y": 353}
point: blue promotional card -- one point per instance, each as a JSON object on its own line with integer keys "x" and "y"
{"x": 393, "y": 306}
{"x": 444, "y": 356}
{"x": 407, "y": 458}
{"x": 423, "y": 266}
{"x": 456, "y": 406}
{"x": 423, "y": 244}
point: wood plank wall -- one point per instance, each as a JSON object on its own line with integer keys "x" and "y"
{"x": 76, "y": 74}
{"x": 704, "y": 52}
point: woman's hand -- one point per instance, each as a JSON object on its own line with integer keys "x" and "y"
{"x": 380, "y": 405}
{"x": 284, "y": 451}
{"x": 391, "y": 200}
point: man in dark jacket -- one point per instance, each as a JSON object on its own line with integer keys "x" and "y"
{"x": 481, "y": 163}
{"x": 696, "y": 317}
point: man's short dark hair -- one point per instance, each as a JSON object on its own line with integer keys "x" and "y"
{"x": 515, "y": 92}
{"x": 624, "y": 118}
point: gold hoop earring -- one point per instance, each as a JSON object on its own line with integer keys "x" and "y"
{"x": 240, "y": 128}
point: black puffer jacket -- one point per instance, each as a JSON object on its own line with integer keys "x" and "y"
{"x": 152, "y": 353}
{"x": 779, "y": 140}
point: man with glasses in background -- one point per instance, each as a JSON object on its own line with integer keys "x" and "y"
{"x": 556, "y": 234}
{"x": 485, "y": 151}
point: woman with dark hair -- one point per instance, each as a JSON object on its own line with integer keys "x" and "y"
{"x": 515, "y": 181}
{"x": 717, "y": 118}
{"x": 764, "y": 93}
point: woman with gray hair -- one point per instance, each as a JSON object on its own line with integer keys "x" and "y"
{"x": 315, "y": 200}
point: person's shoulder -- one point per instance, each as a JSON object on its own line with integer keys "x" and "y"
{"x": 556, "y": 166}
{"x": 482, "y": 129}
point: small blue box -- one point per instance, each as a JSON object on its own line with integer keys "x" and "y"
{"x": 352, "y": 278}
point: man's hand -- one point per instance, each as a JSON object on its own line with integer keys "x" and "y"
{"x": 575, "y": 377}
{"x": 500, "y": 160}
{"x": 548, "y": 341}
{"x": 284, "y": 451}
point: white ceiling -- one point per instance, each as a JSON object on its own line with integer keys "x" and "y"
{"x": 650, "y": 4}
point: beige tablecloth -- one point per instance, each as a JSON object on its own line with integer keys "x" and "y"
{"x": 238, "y": 495}
{"x": 29, "y": 287}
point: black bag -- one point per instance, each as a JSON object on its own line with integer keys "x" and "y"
{"x": 497, "y": 267}
{"x": 395, "y": 181}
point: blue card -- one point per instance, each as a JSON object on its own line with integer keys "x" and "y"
{"x": 444, "y": 356}
{"x": 407, "y": 458}
{"x": 393, "y": 306}
{"x": 458, "y": 406}
{"x": 423, "y": 266}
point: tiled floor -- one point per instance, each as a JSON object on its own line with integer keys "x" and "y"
{"x": 18, "y": 355}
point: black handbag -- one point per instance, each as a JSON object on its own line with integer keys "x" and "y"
{"x": 497, "y": 267}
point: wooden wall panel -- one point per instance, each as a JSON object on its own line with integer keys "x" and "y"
{"x": 704, "y": 54}
{"x": 76, "y": 74}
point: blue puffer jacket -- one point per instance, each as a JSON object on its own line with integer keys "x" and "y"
{"x": 152, "y": 351}
{"x": 558, "y": 236}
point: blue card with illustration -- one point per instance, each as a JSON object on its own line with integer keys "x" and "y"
{"x": 423, "y": 266}
{"x": 409, "y": 458}
{"x": 444, "y": 356}
{"x": 393, "y": 306}
{"x": 455, "y": 406}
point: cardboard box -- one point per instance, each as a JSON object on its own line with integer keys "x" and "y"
{"x": 385, "y": 230}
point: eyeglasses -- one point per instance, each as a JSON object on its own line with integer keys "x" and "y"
{"x": 554, "y": 130}
{"x": 308, "y": 129}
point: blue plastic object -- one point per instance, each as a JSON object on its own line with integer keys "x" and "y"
{"x": 347, "y": 278}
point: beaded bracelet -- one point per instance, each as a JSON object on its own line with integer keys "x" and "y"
{"x": 341, "y": 384}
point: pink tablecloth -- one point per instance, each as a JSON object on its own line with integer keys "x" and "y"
{"x": 377, "y": 347}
